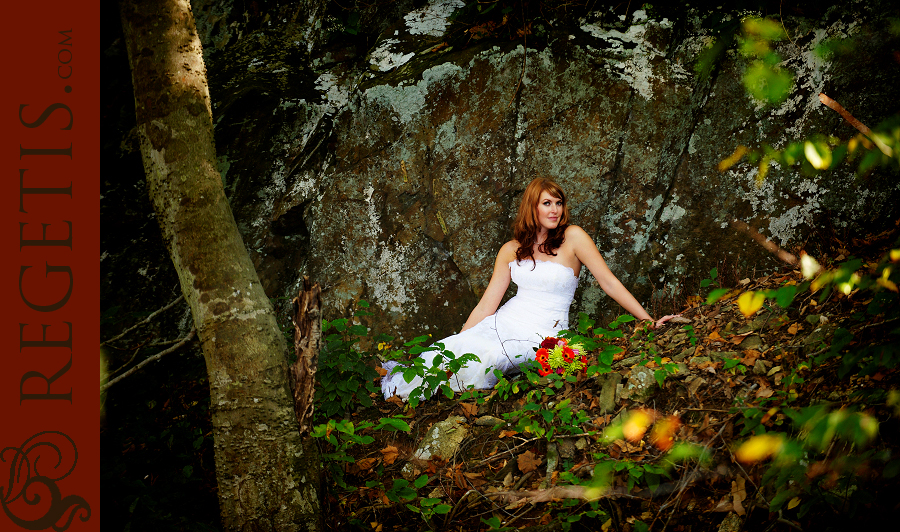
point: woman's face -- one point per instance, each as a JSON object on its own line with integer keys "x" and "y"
{"x": 549, "y": 211}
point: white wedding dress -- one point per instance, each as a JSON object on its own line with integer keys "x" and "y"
{"x": 507, "y": 338}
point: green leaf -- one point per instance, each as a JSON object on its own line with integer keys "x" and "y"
{"x": 359, "y": 330}
{"x": 784, "y": 296}
{"x": 417, "y": 340}
{"x": 420, "y": 482}
{"x": 394, "y": 424}
{"x": 716, "y": 295}
{"x": 768, "y": 84}
{"x": 442, "y": 508}
{"x": 417, "y": 349}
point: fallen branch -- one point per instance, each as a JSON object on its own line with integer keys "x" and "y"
{"x": 561, "y": 492}
{"x": 864, "y": 129}
{"x": 157, "y": 356}
{"x": 770, "y": 246}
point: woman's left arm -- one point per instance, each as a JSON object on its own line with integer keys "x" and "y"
{"x": 587, "y": 252}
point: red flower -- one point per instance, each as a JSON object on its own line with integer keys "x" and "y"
{"x": 549, "y": 343}
{"x": 568, "y": 354}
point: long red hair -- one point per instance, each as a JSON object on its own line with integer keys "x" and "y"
{"x": 526, "y": 226}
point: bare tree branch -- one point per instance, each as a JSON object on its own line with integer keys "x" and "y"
{"x": 145, "y": 320}
{"x": 770, "y": 246}
{"x": 864, "y": 129}
{"x": 157, "y": 356}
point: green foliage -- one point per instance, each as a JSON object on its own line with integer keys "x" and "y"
{"x": 764, "y": 79}
{"x": 817, "y": 451}
{"x": 436, "y": 375}
{"x": 345, "y": 375}
{"x": 592, "y": 339}
{"x": 805, "y": 468}
{"x": 715, "y": 294}
{"x": 692, "y": 337}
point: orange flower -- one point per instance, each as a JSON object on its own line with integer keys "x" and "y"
{"x": 542, "y": 356}
{"x": 568, "y": 354}
{"x": 544, "y": 370}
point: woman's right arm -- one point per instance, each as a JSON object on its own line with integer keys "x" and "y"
{"x": 493, "y": 294}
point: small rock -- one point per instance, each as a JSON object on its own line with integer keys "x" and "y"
{"x": 580, "y": 444}
{"x": 700, "y": 360}
{"x": 630, "y": 361}
{"x": 443, "y": 439}
{"x": 813, "y": 319}
{"x": 761, "y": 367}
{"x": 640, "y": 385}
{"x": 684, "y": 354}
{"x": 488, "y": 421}
{"x": 751, "y": 342}
{"x": 566, "y": 448}
{"x": 607, "y": 398}
{"x": 731, "y": 523}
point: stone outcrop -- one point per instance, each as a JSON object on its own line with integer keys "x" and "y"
{"x": 390, "y": 172}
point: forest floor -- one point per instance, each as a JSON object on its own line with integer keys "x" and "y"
{"x": 666, "y": 460}
{"x": 806, "y": 396}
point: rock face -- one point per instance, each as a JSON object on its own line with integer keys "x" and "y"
{"x": 393, "y": 175}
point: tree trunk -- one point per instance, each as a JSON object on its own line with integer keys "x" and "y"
{"x": 267, "y": 473}
{"x": 307, "y": 342}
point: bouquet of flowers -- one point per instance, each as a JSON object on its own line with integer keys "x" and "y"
{"x": 557, "y": 356}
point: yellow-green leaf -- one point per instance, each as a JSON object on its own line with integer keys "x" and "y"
{"x": 758, "y": 448}
{"x": 818, "y": 154}
{"x": 750, "y": 302}
{"x": 793, "y": 503}
{"x": 809, "y": 266}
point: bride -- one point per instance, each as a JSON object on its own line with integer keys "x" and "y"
{"x": 544, "y": 261}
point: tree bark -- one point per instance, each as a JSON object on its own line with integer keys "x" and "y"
{"x": 307, "y": 342}
{"x": 267, "y": 473}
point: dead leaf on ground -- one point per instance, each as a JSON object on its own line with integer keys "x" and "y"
{"x": 736, "y": 339}
{"x": 764, "y": 392}
{"x": 396, "y": 400}
{"x": 528, "y": 462}
{"x": 506, "y": 433}
{"x": 366, "y": 463}
{"x": 469, "y": 409}
{"x": 389, "y": 454}
{"x": 739, "y": 493}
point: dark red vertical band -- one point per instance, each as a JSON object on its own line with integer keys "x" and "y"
{"x": 50, "y": 266}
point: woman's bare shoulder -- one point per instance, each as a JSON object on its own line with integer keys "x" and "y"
{"x": 575, "y": 232}
{"x": 508, "y": 251}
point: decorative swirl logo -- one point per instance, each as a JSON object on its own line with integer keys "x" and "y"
{"x": 33, "y": 476}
